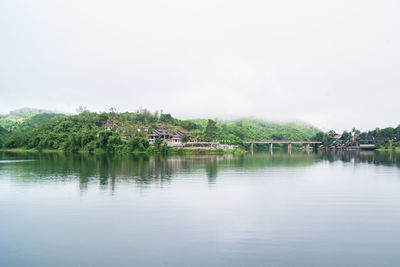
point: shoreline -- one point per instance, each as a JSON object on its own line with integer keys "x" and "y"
{"x": 172, "y": 151}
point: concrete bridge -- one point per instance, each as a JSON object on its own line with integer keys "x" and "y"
{"x": 307, "y": 143}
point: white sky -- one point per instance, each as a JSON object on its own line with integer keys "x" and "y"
{"x": 335, "y": 64}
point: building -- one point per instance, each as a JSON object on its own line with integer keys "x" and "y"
{"x": 171, "y": 139}
{"x": 177, "y": 137}
{"x": 142, "y": 129}
{"x": 159, "y": 133}
{"x": 108, "y": 125}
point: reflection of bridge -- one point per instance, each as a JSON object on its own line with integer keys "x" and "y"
{"x": 307, "y": 143}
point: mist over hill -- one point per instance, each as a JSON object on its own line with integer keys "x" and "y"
{"x": 25, "y": 118}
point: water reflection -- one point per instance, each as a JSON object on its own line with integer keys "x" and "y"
{"x": 145, "y": 170}
{"x": 326, "y": 209}
{"x": 370, "y": 157}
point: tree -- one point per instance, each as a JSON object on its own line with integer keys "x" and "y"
{"x": 81, "y": 109}
{"x": 164, "y": 148}
{"x": 102, "y": 139}
{"x": 277, "y": 136}
{"x": 158, "y": 142}
{"x": 185, "y": 138}
{"x": 211, "y": 130}
{"x": 114, "y": 141}
{"x": 356, "y": 132}
{"x": 345, "y": 135}
{"x": 113, "y": 111}
{"x": 167, "y": 118}
{"x": 318, "y": 137}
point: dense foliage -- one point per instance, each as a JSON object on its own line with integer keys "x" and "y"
{"x": 389, "y": 133}
{"x": 87, "y": 132}
{"x": 3, "y": 136}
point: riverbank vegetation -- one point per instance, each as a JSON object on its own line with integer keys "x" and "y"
{"x": 92, "y": 132}
{"x": 386, "y": 139}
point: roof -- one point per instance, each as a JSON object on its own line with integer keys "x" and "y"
{"x": 160, "y": 132}
{"x": 110, "y": 123}
{"x": 182, "y": 133}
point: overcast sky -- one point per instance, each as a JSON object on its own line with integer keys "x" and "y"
{"x": 335, "y": 64}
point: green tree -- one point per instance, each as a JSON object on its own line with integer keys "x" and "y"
{"x": 345, "y": 135}
{"x": 158, "y": 142}
{"x": 167, "y": 118}
{"x": 164, "y": 148}
{"x": 211, "y": 130}
{"x": 185, "y": 138}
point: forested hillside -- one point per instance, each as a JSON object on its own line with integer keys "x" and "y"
{"x": 3, "y": 135}
{"x": 25, "y": 118}
{"x": 88, "y": 131}
{"x": 246, "y": 129}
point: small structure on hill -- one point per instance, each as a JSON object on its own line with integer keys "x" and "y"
{"x": 178, "y": 136}
{"x": 142, "y": 129}
{"x": 109, "y": 124}
{"x": 162, "y": 126}
{"x": 171, "y": 139}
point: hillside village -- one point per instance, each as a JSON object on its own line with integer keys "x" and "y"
{"x": 357, "y": 140}
{"x": 172, "y": 136}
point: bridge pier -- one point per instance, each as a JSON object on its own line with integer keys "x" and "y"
{"x": 307, "y": 148}
{"x": 289, "y": 143}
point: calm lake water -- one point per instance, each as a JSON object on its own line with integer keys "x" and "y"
{"x": 335, "y": 209}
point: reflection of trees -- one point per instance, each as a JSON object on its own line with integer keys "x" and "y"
{"x": 211, "y": 170}
{"x": 109, "y": 170}
{"x": 370, "y": 157}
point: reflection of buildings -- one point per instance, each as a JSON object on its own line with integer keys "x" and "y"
{"x": 370, "y": 157}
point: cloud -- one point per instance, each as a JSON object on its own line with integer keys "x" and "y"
{"x": 333, "y": 64}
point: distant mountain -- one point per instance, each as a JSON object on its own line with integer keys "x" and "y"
{"x": 27, "y": 112}
{"x": 25, "y": 118}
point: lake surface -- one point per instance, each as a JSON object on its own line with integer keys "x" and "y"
{"x": 334, "y": 209}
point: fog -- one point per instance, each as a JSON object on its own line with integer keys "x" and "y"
{"x": 334, "y": 64}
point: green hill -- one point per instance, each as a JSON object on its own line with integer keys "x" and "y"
{"x": 37, "y": 120}
{"x": 252, "y": 129}
{"x": 25, "y": 117}
{"x": 87, "y": 130}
